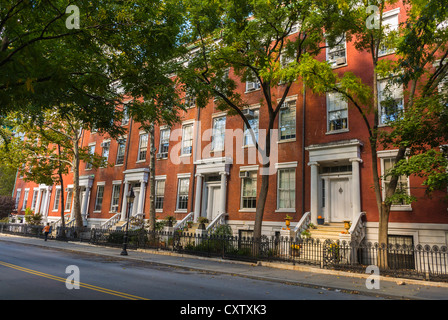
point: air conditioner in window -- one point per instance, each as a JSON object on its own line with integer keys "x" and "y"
{"x": 248, "y": 113}
{"x": 104, "y": 144}
{"x": 244, "y": 174}
{"x": 340, "y": 61}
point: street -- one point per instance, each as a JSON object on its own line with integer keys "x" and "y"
{"x": 34, "y": 273}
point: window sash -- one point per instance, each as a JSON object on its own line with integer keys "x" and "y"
{"x": 402, "y": 184}
{"x": 99, "y": 198}
{"x": 248, "y": 141}
{"x": 160, "y": 194}
{"x": 91, "y": 152}
{"x": 68, "y": 200}
{"x": 143, "y": 147}
{"x": 33, "y": 201}
{"x": 337, "y": 112}
{"x": 187, "y": 139}
{"x": 218, "y": 133}
{"x": 121, "y": 152}
{"x": 182, "y": 193}
{"x": 286, "y": 188}
{"x": 386, "y": 92}
{"x": 115, "y": 198}
{"x": 287, "y": 121}
{"x": 57, "y": 197}
{"x": 164, "y": 140}
{"x": 249, "y": 191}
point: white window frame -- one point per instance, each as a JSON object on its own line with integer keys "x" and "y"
{"x": 288, "y": 104}
{"x": 286, "y": 166}
{"x": 17, "y": 200}
{"x": 182, "y": 177}
{"x": 389, "y": 15}
{"x": 187, "y": 143}
{"x": 338, "y": 97}
{"x": 340, "y": 61}
{"x": 25, "y": 198}
{"x": 121, "y": 142}
{"x": 158, "y": 179}
{"x": 142, "y": 148}
{"x": 250, "y": 171}
{"x": 57, "y": 198}
{"x": 397, "y": 93}
{"x": 68, "y": 204}
{"x": 105, "y": 145}
{"x": 92, "y": 146}
{"x": 34, "y": 199}
{"x": 218, "y": 135}
{"x": 387, "y": 155}
{"x": 252, "y": 86}
{"x": 99, "y": 185}
{"x": 247, "y": 137}
{"x": 115, "y": 193}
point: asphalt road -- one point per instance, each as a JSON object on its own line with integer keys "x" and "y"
{"x": 33, "y": 273}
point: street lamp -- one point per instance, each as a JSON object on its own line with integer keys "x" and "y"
{"x": 130, "y": 199}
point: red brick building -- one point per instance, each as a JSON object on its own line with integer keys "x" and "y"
{"x": 321, "y": 163}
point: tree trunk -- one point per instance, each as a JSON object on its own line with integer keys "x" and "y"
{"x": 62, "y": 234}
{"x": 152, "y": 180}
{"x": 76, "y": 189}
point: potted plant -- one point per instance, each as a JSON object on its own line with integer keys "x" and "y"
{"x": 189, "y": 224}
{"x": 320, "y": 220}
{"x": 170, "y": 220}
{"x": 202, "y": 221}
{"x": 288, "y": 219}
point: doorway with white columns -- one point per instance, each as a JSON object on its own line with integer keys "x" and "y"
{"x": 335, "y": 185}
{"x": 136, "y": 179}
{"x": 210, "y": 198}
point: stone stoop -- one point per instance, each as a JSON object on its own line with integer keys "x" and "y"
{"x": 330, "y": 231}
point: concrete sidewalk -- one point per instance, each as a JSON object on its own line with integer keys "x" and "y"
{"x": 280, "y": 272}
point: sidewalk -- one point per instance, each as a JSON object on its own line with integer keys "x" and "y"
{"x": 280, "y": 272}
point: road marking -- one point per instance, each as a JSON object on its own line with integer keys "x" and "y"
{"x": 84, "y": 285}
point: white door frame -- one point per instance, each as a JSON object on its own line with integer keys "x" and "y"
{"x": 208, "y": 198}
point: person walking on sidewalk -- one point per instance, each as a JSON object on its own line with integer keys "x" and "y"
{"x": 47, "y": 231}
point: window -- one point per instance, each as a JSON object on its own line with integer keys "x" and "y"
{"x": 336, "y": 55}
{"x": 125, "y": 120}
{"x": 252, "y": 118}
{"x": 164, "y": 142}
{"x": 25, "y": 199}
{"x": 68, "y": 200}
{"x": 218, "y": 135}
{"x": 91, "y": 152}
{"x": 57, "y": 197}
{"x": 16, "y": 205}
{"x": 160, "y": 194}
{"x": 121, "y": 151}
{"x": 390, "y": 99}
{"x": 115, "y": 198}
{"x": 190, "y": 101}
{"x": 105, "y": 151}
{"x": 390, "y": 24}
{"x": 143, "y": 146}
{"x": 337, "y": 112}
{"x": 401, "y": 252}
{"x": 183, "y": 187}
{"x": 99, "y": 197}
{"x": 286, "y": 190}
{"x": 187, "y": 139}
{"x": 287, "y": 120}
{"x": 402, "y": 185}
{"x": 252, "y": 85}
{"x": 248, "y": 189}
{"x": 33, "y": 201}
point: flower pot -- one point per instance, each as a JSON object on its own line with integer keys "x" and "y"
{"x": 320, "y": 221}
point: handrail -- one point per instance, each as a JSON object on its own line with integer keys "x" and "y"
{"x": 219, "y": 220}
{"x": 357, "y": 230}
{"x": 112, "y": 221}
{"x": 183, "y": 222}
{"x": 302, "y": 224}
{"x": 58, "y": 222}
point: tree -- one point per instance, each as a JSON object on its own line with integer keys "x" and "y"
{"x": 415, "y": 48}
{"x": 50, "y": 149}
{"x": 262, "y": 42}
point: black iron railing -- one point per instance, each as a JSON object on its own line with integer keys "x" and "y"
{"x": 418, "y": 262}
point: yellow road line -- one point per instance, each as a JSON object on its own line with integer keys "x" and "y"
{"x": 80, "y": 284}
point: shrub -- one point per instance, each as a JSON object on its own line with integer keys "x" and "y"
{"x": 7, "y": 205}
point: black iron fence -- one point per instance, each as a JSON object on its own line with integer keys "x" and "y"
{"x": 408, "y": 261}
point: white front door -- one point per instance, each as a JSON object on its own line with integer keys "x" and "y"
{"x": 340, "y": 200}
{"x": 214, "y": 200}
